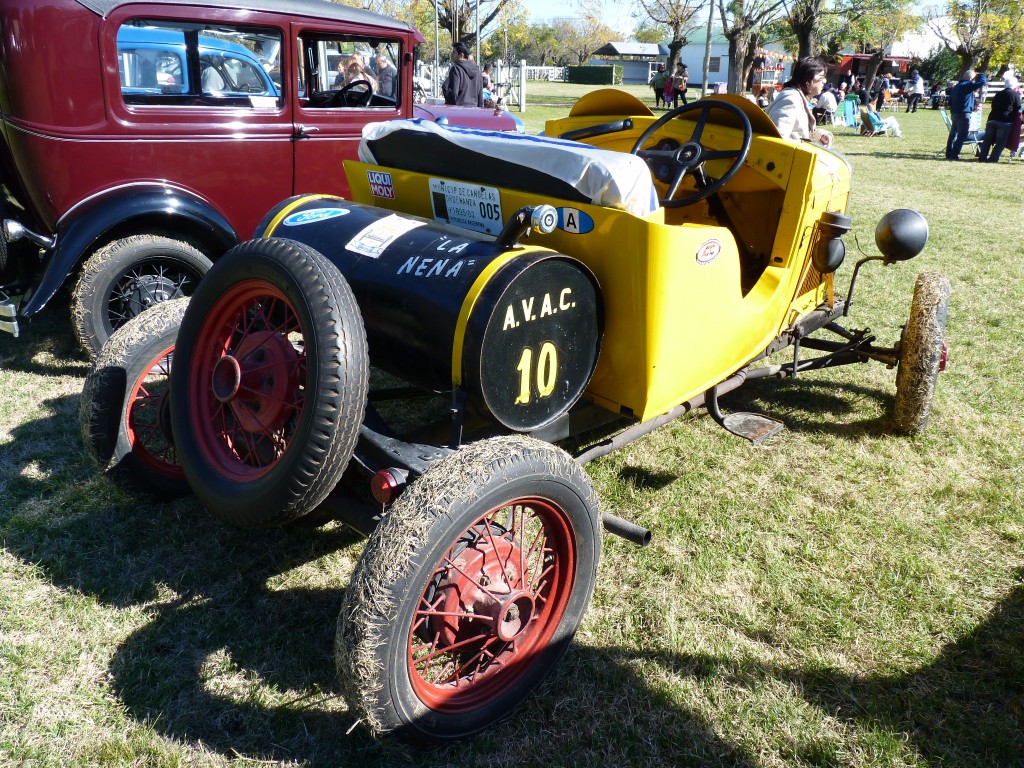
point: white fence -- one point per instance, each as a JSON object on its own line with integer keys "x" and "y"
{"x": 509, "y": 83}
{"x": 550, "y": 74}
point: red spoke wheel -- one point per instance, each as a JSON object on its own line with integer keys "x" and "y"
{"x": 470, "y": 590}
{"x": 270, "y": 383}
{"x": 922, "y": 354}
{"x": 125, "y": 406}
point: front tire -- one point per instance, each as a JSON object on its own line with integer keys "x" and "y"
{"x": 128, "y": 276}
{"x": 922, "y": 354}
{"x": 269, "y": 383}
{"x": 125, "y": 411}
{"x": 470, "y": 590}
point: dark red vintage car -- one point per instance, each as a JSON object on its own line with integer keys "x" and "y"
{"x": 141, "y": 140}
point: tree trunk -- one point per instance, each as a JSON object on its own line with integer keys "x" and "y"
{"x": 803, "y": 26}
{"x": 674, "y": 47}
{"x": 738, "y": 44}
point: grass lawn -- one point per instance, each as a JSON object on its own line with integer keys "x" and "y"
{"x": 838, "y": 596}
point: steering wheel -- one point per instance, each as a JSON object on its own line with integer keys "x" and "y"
{"x": 348, "y": 96}
{"x": 691, "y": 156}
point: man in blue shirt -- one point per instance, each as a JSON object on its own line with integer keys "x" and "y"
{"x": 961, "y": 105}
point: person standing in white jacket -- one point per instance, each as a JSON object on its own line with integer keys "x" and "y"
{"x": 791, "y": 109}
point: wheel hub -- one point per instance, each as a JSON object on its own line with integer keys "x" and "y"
{"x": 484, "y": 594}
{"x": 147, "y": 291}
{"x": 259, "y": 381}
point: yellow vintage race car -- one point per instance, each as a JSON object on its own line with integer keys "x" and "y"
{"x": 549, "y": 298}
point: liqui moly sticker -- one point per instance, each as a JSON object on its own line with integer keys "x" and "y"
{"x": 708, "y": 251}
{"x": 380, "y": 184}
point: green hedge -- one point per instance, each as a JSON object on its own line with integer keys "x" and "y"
{"x": 602, "y": 74}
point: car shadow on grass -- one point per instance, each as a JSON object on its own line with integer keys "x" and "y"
{"x": 810, "y": 404}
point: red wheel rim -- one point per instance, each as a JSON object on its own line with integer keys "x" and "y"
{"x": 247, "y": 382}
{"x": 148, "y": 423}
{"x": 492, "y": 605}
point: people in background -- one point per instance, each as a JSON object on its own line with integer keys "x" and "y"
{"x": 882, "y": 93}
{"x": 862, "y": 93}
{"x": 791, "y": 109}
{"x": 1005, "y": 107}
{"x": 658, "y": 85}
{"x": 355, "y": 71}
{"x": 825, "y": 107}
{"x": 961, "y": 104}
{"x": 386, "y": 74}
{"x": 679, "y": 83}
{"x": 464, "y": 86}
{"x": 764, "y": 97}
{"x": 915, "y": 91}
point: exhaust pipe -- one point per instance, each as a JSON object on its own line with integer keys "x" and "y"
{"x": 625, "y": 529}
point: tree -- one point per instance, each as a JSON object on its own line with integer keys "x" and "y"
{"x": 580, "y": 37}
{"x": 743, "y": 23}
{"x": 646, "y": 32}
{"x": 679, "y": 16}
{"x": 543, "y": 45}
{"x": 980, "y": 31}
{"x": 877, "y": 30}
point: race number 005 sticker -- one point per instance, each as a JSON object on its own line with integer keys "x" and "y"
{"x": 470, "y": 206}
{"x": 708, "y": 251}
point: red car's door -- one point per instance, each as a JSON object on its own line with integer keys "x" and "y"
{"x": 333, "y": 101}
{"x": 193, "y": 103}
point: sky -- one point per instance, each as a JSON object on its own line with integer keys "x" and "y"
{"x": 617, "y": 13}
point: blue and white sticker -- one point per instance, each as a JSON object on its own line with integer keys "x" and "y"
{"x": 381, "y": 184}
{"x": 313, "y": 216}
{"x": 574, "y": 221}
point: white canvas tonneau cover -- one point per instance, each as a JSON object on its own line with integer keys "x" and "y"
{"x": 541, "y": 164}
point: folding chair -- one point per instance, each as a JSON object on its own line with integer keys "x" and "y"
{"x": 974, "y": 135}
{"x": 851, "y": 104}
{"x": 872, "y": 124}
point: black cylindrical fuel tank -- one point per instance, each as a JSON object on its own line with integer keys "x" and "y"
{"x": 519, "y": 328}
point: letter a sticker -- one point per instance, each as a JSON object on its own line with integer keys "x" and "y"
{"x": 574, "y": 221}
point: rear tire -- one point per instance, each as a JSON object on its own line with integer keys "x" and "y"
{"x": 269, "y": 384}
{"x": 128, "y": 276}
{"x": 124, "y": 411}
{"x": 922, "y": 354}
{"x": 469, "y": 591}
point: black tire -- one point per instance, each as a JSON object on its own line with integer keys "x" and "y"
{"x": 126, "y": 277}
{"x": 269, "y": 384}
{"x": 472, "y": 508}
{"x": 922, "y": 354}
{"x": 124, "y": 411}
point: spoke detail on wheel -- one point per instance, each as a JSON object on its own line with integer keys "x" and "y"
{"x": 148, "y": 419}
{"x": 494, "y": 599}
{"x": 255, "y": 370}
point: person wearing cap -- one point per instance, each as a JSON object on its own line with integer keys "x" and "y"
{"x": 916, "y": 91}
{"x": 1005, "y": 106}
{"x": 961, "y": 106}
{"x": 464, "y": 87}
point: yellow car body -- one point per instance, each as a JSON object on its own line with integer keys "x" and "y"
{"x": 689, "y": 298}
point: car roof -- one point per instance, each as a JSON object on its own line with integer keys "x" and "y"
{"x": 318, "y": 9}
